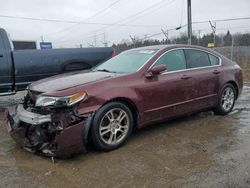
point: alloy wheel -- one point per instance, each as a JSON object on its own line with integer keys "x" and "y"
{"x": 114, "y": 126}
{"x": 228, "y": 98}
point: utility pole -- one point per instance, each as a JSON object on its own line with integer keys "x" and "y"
{"x": 104, "y": 42}
{"x": 94, "y": 41}
{"x": 90, "y": 45}
{"x": 189, "y": 21}
{"x": 42, "y": 39}
{"x": 165, "y": 33}
{"x": 232, "y": 48}
{"x": 133, "y": 40}
{"x": 199, "y": 35}
{"x": 213, "y": 29}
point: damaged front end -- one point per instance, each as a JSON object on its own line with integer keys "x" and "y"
{"x": 50, "y": 131}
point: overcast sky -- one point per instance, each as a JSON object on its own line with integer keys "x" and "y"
{"x": 166, "y": 14}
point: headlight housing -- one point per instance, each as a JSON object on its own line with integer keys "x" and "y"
{"x": 70, "y": 100}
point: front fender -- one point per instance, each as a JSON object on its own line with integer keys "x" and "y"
{"x": 96, "y": 101}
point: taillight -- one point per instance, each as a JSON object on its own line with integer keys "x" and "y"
{"x": 113, "y": 53}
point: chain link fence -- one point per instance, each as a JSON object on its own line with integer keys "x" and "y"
{"x": 239, "y": 54}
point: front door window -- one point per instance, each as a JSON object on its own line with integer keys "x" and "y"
{"x": 174, "y": 60}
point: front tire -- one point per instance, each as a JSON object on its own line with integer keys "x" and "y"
{"x": 111, "y": 127}
{"x": 226, "y": 100}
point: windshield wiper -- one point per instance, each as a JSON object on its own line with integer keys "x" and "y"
{"x": 104, "y": 70}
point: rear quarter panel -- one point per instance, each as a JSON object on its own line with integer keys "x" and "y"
{"x": 231, "y": 73}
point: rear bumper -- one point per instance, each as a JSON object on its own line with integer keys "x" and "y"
{"x": 67, "y": 142}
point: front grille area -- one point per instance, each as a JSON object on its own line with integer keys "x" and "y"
{"x": 29, "y": 103}
{"x": 32, "y": 96}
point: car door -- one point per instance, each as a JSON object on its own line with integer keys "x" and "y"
{"x": 205, "y": 70}
{"x": 167, "y": 95}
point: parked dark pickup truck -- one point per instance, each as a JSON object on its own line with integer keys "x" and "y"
{"x": 21, "y": 67}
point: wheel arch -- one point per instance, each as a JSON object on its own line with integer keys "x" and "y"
{"x": 234, "y": 84}
{"x": 128, "y": 102}
{"x": 218, "y": 109}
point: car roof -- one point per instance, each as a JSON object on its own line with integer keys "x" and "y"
{"x": 153, "y": 47}
{"x": 160, "y": 47}
{"x": 171, "y": 46}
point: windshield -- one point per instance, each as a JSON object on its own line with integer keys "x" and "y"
{"x": 126, "y": 62}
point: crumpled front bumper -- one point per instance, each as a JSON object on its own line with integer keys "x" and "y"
{"x": 69, "y": 141}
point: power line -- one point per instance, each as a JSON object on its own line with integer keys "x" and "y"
{"x": 185, "y": 25}
{"x": 142, "y": 11}
{"x": 146, "y": 12}
{"x": 71, "y": 21}
{"x": 103, "y": 10}
{"x": 133, "y": 16}
{"x": 88, "y": 18}
{"x": 124, "y": 19}
{"x": 156, "y": 34}
{"x": 223, "y": 20}
{"x": 225, "y": 28}
{"x": 200, "y": 22}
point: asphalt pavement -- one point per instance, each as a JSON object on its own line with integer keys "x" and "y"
{"x": 202, "y": 150}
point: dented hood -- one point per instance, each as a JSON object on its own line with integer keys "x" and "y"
{"x": 69, "y": 80}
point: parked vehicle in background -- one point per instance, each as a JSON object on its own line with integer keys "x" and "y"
{"x": 19, "y": 68}
{"x": 135, "y": 88}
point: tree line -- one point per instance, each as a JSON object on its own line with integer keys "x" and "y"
{"x": 221, "y": 40}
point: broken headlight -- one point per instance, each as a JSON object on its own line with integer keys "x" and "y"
{"x": 44, "y": 100}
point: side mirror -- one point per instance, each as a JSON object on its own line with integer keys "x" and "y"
{"x": 156, "y": 70}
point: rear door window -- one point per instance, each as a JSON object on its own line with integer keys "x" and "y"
{"x": 197, "y": 58}
{"x": 214, "y": 60}
{"x": 174, "y": 60}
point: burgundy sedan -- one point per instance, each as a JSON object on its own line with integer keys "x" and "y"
{"x": 138, "y": 87}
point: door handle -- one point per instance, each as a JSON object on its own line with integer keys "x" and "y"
{"x": 185, "y": 77}
{"x": 216, "y": 71}
{"x": 1, "y": 55}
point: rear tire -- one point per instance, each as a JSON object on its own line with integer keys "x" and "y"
{"x": 226, "y": 100}
{"x": 111, "y": 127}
